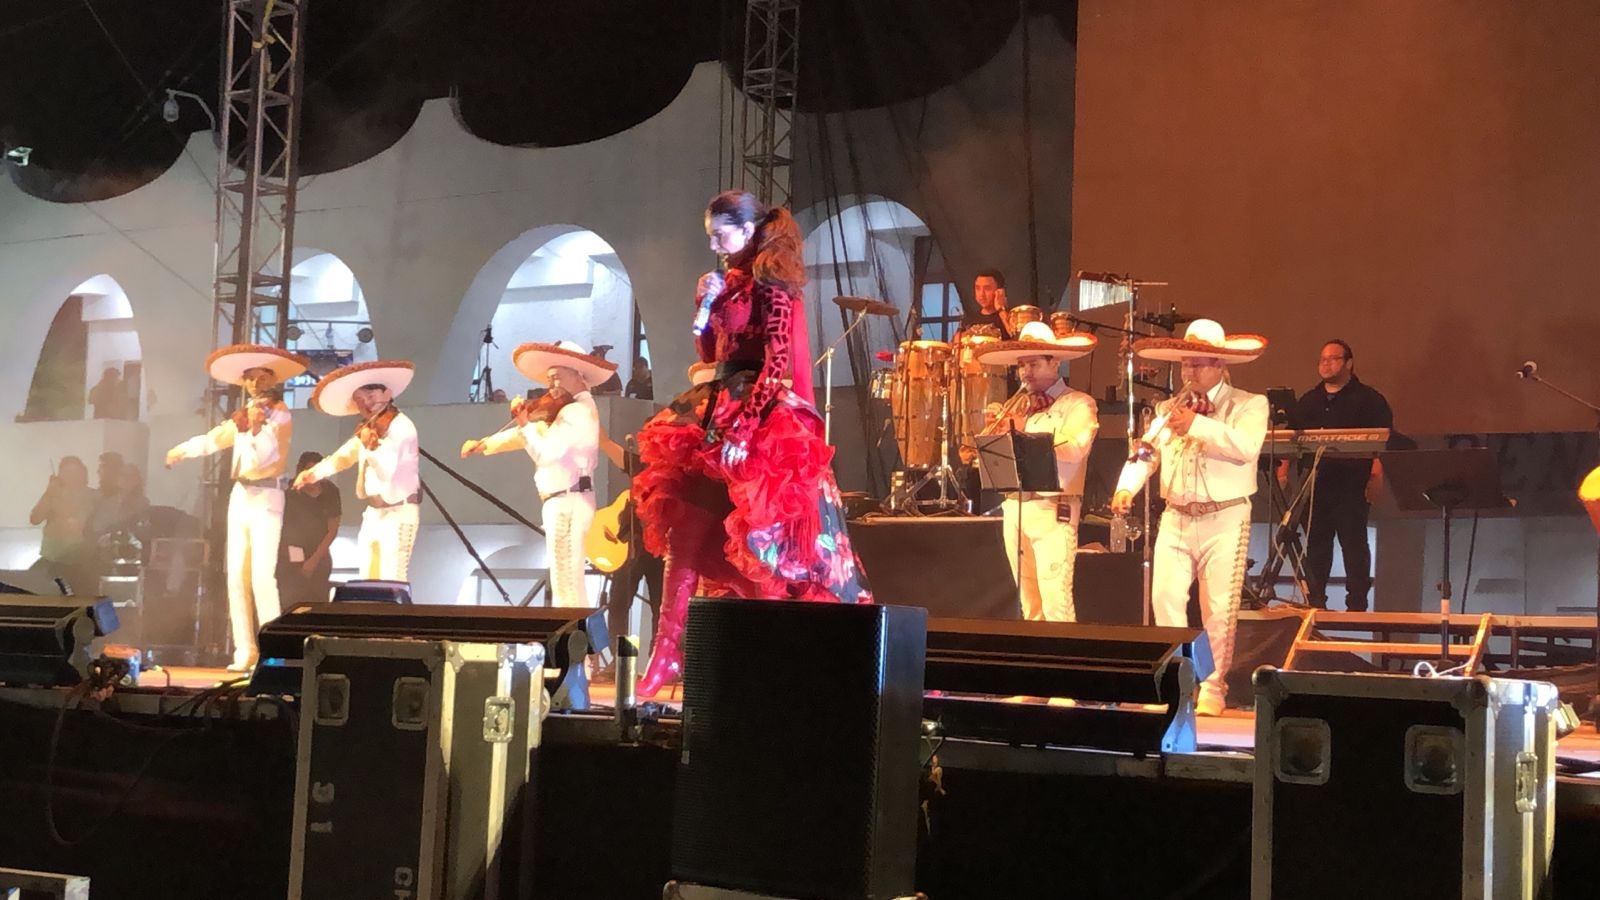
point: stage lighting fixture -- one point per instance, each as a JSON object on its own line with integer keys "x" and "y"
{"x": 19, "y": 155}
{"x": 294, "y": 332}
{"x": 364, "y": 335}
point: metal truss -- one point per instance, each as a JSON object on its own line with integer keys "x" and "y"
{"x": 257, "y": 171}
{"x": 771, "y": 73}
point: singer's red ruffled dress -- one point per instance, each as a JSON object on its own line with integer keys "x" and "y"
{"x": 786, "y": 534}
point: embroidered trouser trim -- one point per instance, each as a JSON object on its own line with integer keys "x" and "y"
{"x": 255, "y": 523}
{"x": 1215, "y": 549}
{"x": 385, "y": 540}
{"x": 1049, "y": 553}
{"x": 566, "y": 522}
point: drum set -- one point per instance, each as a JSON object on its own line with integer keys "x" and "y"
{"x": 938, "y": 394}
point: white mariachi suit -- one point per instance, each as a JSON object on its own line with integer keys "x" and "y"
{"x": 1207, "y": 479}
{"x": 255, "y": 520}
{"x": 565, "y": 452}
{"x": 1048, "y": 544}
{"x": 387, "y": 479}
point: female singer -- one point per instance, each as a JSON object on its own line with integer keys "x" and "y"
{"x": 737, "y": 489}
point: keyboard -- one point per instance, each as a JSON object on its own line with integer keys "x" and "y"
{"x": 1344, "y": 441}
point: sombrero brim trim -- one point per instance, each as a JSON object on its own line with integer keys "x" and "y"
{"x": 534, "y": 360}
{"x": 1008, "y": 352}
{"x": 1237, "y": 348}
{"x": 229, "y": 364}
{"x": 333, "y": 394}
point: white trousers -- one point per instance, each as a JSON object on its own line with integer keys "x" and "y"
{"x": 1043, "y": 559}
{"x": 1215, "y": 549}
{"x": 255, "y": 522}
{"x": 383, "y": 545}
{"x": 566, "y": 521}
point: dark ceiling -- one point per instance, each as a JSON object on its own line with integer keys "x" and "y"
{"x": 82, "y": 83}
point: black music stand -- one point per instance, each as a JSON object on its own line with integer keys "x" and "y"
{"x": 1446, "y": 480}
{"x": 1016, "y": 461}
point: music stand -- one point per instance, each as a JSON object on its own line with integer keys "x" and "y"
{"x": 1013, "y": 462}
{"x": 1446, "y": 480}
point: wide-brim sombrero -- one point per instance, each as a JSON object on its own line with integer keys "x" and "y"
{"x": 229, "y": 364}
{"x": 535, "y": 360}
{"x": 1036, "y": 339}
{"x": 335, "y": 392}
{"x": 1204, "y": 337}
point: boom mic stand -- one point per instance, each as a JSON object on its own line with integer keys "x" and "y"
{"x": 483, "y": 376}
{"x": 1530, "y": 372}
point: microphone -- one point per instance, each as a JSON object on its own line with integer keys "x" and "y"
{"x": 1529, "y": 369}
{"x": 702, "y": 317}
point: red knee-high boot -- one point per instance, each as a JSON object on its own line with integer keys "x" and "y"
{"x": 666, "y": 651}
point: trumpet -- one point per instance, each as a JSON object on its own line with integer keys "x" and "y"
{"x": 1017, "y": 403}
{"x": 1157, "y": 435}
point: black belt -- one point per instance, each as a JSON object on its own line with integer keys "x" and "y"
{"x": 377, "y": 503}
{"x": 585, "y": 485}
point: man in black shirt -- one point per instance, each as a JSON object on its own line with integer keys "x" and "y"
{"x": 1344, "y": 489}
{"x": 310, "y": 523}
{"x": 989, "y": 290}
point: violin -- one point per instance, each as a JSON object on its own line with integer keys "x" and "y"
{"x": 241, "y": 416}
{"x": 376, "y": 426}
{"x": 545, "y": 408}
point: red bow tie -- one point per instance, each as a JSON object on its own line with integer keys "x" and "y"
{"x": 1038, "y": 401}
{"x": 1202, "y": 406}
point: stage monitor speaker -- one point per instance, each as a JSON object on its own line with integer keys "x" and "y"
{"x": 1459, "y": 772}
{"x": 568, "y": 633}
{"x": 373, "y": 591}
{"x": 45, "y": 640}
{"x": 799, "y": 771}
{"x": 976, "y": 583}
{"x": 1140, "y": 680}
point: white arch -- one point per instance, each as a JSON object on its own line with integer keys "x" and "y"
{"x": 504, "y": 296}
{"x": 866, "y": 248}
{"x": 329, "y": 314}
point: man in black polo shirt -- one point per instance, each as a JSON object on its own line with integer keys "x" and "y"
{"x": 989, "y": 292}
{"x": 1345, "y": 487}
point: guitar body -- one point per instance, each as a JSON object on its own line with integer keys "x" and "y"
{"x": 606, "y": 550}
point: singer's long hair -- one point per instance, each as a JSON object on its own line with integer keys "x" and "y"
{"x": 777, "y": 243}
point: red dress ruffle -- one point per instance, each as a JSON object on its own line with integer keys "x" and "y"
{"x": 786, "y": 532}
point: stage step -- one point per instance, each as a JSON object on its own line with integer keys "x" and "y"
{"x": 1469, "y": 636}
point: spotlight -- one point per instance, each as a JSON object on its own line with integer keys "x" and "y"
{"x": 364, "y": 335}
{"x": 294, "y": 332}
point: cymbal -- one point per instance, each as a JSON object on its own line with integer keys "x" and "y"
{"x": 867, "y": 306}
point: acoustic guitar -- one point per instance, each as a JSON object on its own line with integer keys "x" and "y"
{"x": 604, "y": 546}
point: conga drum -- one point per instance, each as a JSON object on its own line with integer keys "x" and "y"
{"x": 976, "y": 387}
{"x": 916, "y": 398}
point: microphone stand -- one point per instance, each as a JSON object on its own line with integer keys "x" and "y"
{"x": 1594, "y": 703}
{"x": 827, "y": 382}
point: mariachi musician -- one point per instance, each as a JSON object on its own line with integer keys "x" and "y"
{"x": 385, "y": 452}
{"x": 259, "y": 433}
{"x": 561, "y": 432}
{"x": 1041, "y": 528}
{"x": 1206, "y": 441}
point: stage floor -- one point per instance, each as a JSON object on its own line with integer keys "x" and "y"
{"x": 1234, "y": 731}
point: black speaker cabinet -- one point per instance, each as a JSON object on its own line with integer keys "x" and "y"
{"x": 800, "y": 762}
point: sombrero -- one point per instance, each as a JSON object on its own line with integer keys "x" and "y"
{"x": 1204, "y": 337}
{"x": 702, "y": 372}
{"x": 229, "y": 364}
{"x": 535, "y": 360}
{"x": 1036, "y": 339}
{"x": 1589, "y": 494}
{"x": 335, "y": 391}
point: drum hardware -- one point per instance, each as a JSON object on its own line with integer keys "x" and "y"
{"x": 862, "y": 307}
